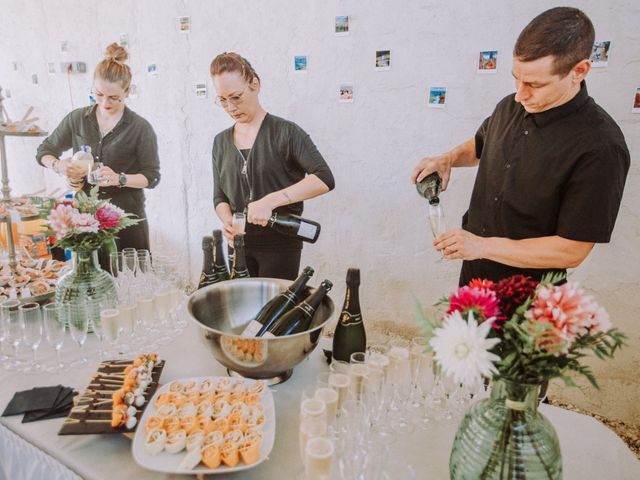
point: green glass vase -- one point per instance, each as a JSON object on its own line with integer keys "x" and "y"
{"x": 505, "y": 437}
{"x": 84, "y": 286}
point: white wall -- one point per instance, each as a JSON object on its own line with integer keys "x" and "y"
{"x": 374, "y": 219}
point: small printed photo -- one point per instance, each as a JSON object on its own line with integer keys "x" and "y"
{"x": 600, "y": 54}
{"x": 488, "y": 62}
{"x": 124, "y": 40}
{"x": 437, "y": 97}
{"x": 51, "y": 68}
{"x": 133, "y": 90}
{"x": 184, "y": 24}
{"x": 342, "y": 25}
{"x": 15, "y": 66}
{"x": 383, "y": 59}
{"x": 64, "y": 46}
{"x": 34, "y": 79}
{"x": 345, "y": 94}
{"x": 201, "y": 90}
{"x": 636, "y": 102}
{"x": 300, "y": 63}
{"x": 152, "y": 69}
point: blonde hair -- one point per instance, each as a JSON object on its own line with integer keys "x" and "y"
{"x": 112, "y": 67}
{"x": 232, "y": 62}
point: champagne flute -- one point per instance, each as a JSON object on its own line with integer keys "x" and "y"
{"x": 55, "y": 331}
{"x": 239, "y": 222}
{"x": 78, "y": 326}
{"x": 437, "y": 222}
{"x": 31, "y": 320}
{"x": 11, "y": 316}
{"x": 130, "y": 256}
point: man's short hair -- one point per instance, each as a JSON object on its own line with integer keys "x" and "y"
{"x": 564, "y": 32}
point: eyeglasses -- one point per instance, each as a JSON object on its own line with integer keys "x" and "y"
{"x": 102, "y": 96}
{"x": 234, "y": 100}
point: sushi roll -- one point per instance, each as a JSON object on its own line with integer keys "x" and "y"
{"x": 155, "y": 441}
{"x": 176, "y": 441}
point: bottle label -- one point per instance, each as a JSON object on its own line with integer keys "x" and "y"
{"x": 268, "y": 335}
{"x": 288, "y": 294}
{"x": 307, "y": 230}
{"x": 347, "y": 319}
{"x": 306, "y": 309}
{"x": 252, "y": 329}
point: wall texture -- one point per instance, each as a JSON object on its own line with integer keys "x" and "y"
{"x": 373, "y": 219}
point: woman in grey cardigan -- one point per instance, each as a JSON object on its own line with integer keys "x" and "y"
{"x": 263, "y": 164}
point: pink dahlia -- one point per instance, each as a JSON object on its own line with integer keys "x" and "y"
{"x": 570, "y": 313}
{"x": 61, "y": 219}
{"x": 109, "y": 216}
{"x": 481, "y": 301}
{"x": 86, "y": 223}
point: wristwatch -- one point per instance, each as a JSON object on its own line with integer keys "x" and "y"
{"x": 122, "y": 180}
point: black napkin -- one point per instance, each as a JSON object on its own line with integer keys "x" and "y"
{"x": 39, "y": 398}
{"x": 61, "y": 408}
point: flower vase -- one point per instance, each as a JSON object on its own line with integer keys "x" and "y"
{"x": 505, "y": 437}
{"x": 84, "y": 286}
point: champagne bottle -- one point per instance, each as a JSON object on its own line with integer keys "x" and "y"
{"x": 239, "y": 269}
{"x": 429, "y": 187}
{"x": 220, "y": 269}
{"x": 208, "y": 276}
{"x": 299, "y": 319}
{"x": 278, "y": 306}
{"x": 350, "y": 336}
{"x": 295, "y": 226}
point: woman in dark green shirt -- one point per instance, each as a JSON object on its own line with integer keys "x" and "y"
{"x": 262, "y": 163}
{"x": 121, "y": 140}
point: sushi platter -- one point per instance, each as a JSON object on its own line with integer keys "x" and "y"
{"x": 115, "y": 399}
{"x": 206, "y": 425}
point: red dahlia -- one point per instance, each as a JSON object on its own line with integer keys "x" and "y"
{"x": 513, "y": 292}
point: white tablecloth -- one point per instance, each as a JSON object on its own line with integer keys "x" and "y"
{"x": 589, "y": 449}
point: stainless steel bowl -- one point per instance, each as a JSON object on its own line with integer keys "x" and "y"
{"x": 223, "y": 310}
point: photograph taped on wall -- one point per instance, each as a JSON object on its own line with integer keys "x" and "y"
{"x": 184, "y": 24}
{"x": 342, "y": 25}
{"x": 15, "y": 66}
{"x": 34, "y": 79}
{"x": 152, "y": 69}
{"x": 300, "y": 63}
{"x": 51, "y": 68}
{"x": 383, "y": 59}
{"x": 133, "y": 90}
{"x": 488, "y": 61}
{"x": 345, "y": 93}
{"x": 636, "y": 101}
{"x": 437, "y": 97}
{"x": 64, "y": 46}
{"x": 600, "y": 54}
{"x": 201, "y": 90}
{"x": 124, "y": 40}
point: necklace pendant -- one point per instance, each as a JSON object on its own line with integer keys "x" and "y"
{"x": 244, "y": 169}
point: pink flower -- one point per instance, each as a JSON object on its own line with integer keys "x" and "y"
{"x": 109, "y": 216}
{"x": 570, "y": 313}
{"x": 86, "y": 223}
{"x": 481, "y": 301}
{"x": 61, "y": 219}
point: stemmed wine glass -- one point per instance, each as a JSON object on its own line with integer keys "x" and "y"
{"x": 55, "y": 331}
{"x": 437, "y": 222}
{"x": 31, "y": 320}
{"x": 130, "y": 256}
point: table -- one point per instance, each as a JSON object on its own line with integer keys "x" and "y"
{"x": 589, "y": 449}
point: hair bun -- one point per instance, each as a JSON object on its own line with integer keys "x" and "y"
{"x": 116, "y": 53}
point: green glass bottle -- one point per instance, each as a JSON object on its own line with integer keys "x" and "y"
{"x": 429, "y": 187}
{"x": 350, "y": 335}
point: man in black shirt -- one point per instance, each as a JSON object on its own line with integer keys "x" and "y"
{"x": 552, "y": 163}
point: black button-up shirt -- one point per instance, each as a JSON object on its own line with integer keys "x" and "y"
{"x": 558, "y": 172}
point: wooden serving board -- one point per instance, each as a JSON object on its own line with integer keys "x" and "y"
{"x": 84, "y": 427}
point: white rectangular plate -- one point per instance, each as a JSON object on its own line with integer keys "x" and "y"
{"x": 168, "y": 462}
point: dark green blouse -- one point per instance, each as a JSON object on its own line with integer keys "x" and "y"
{"x": 131, "y": 147}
